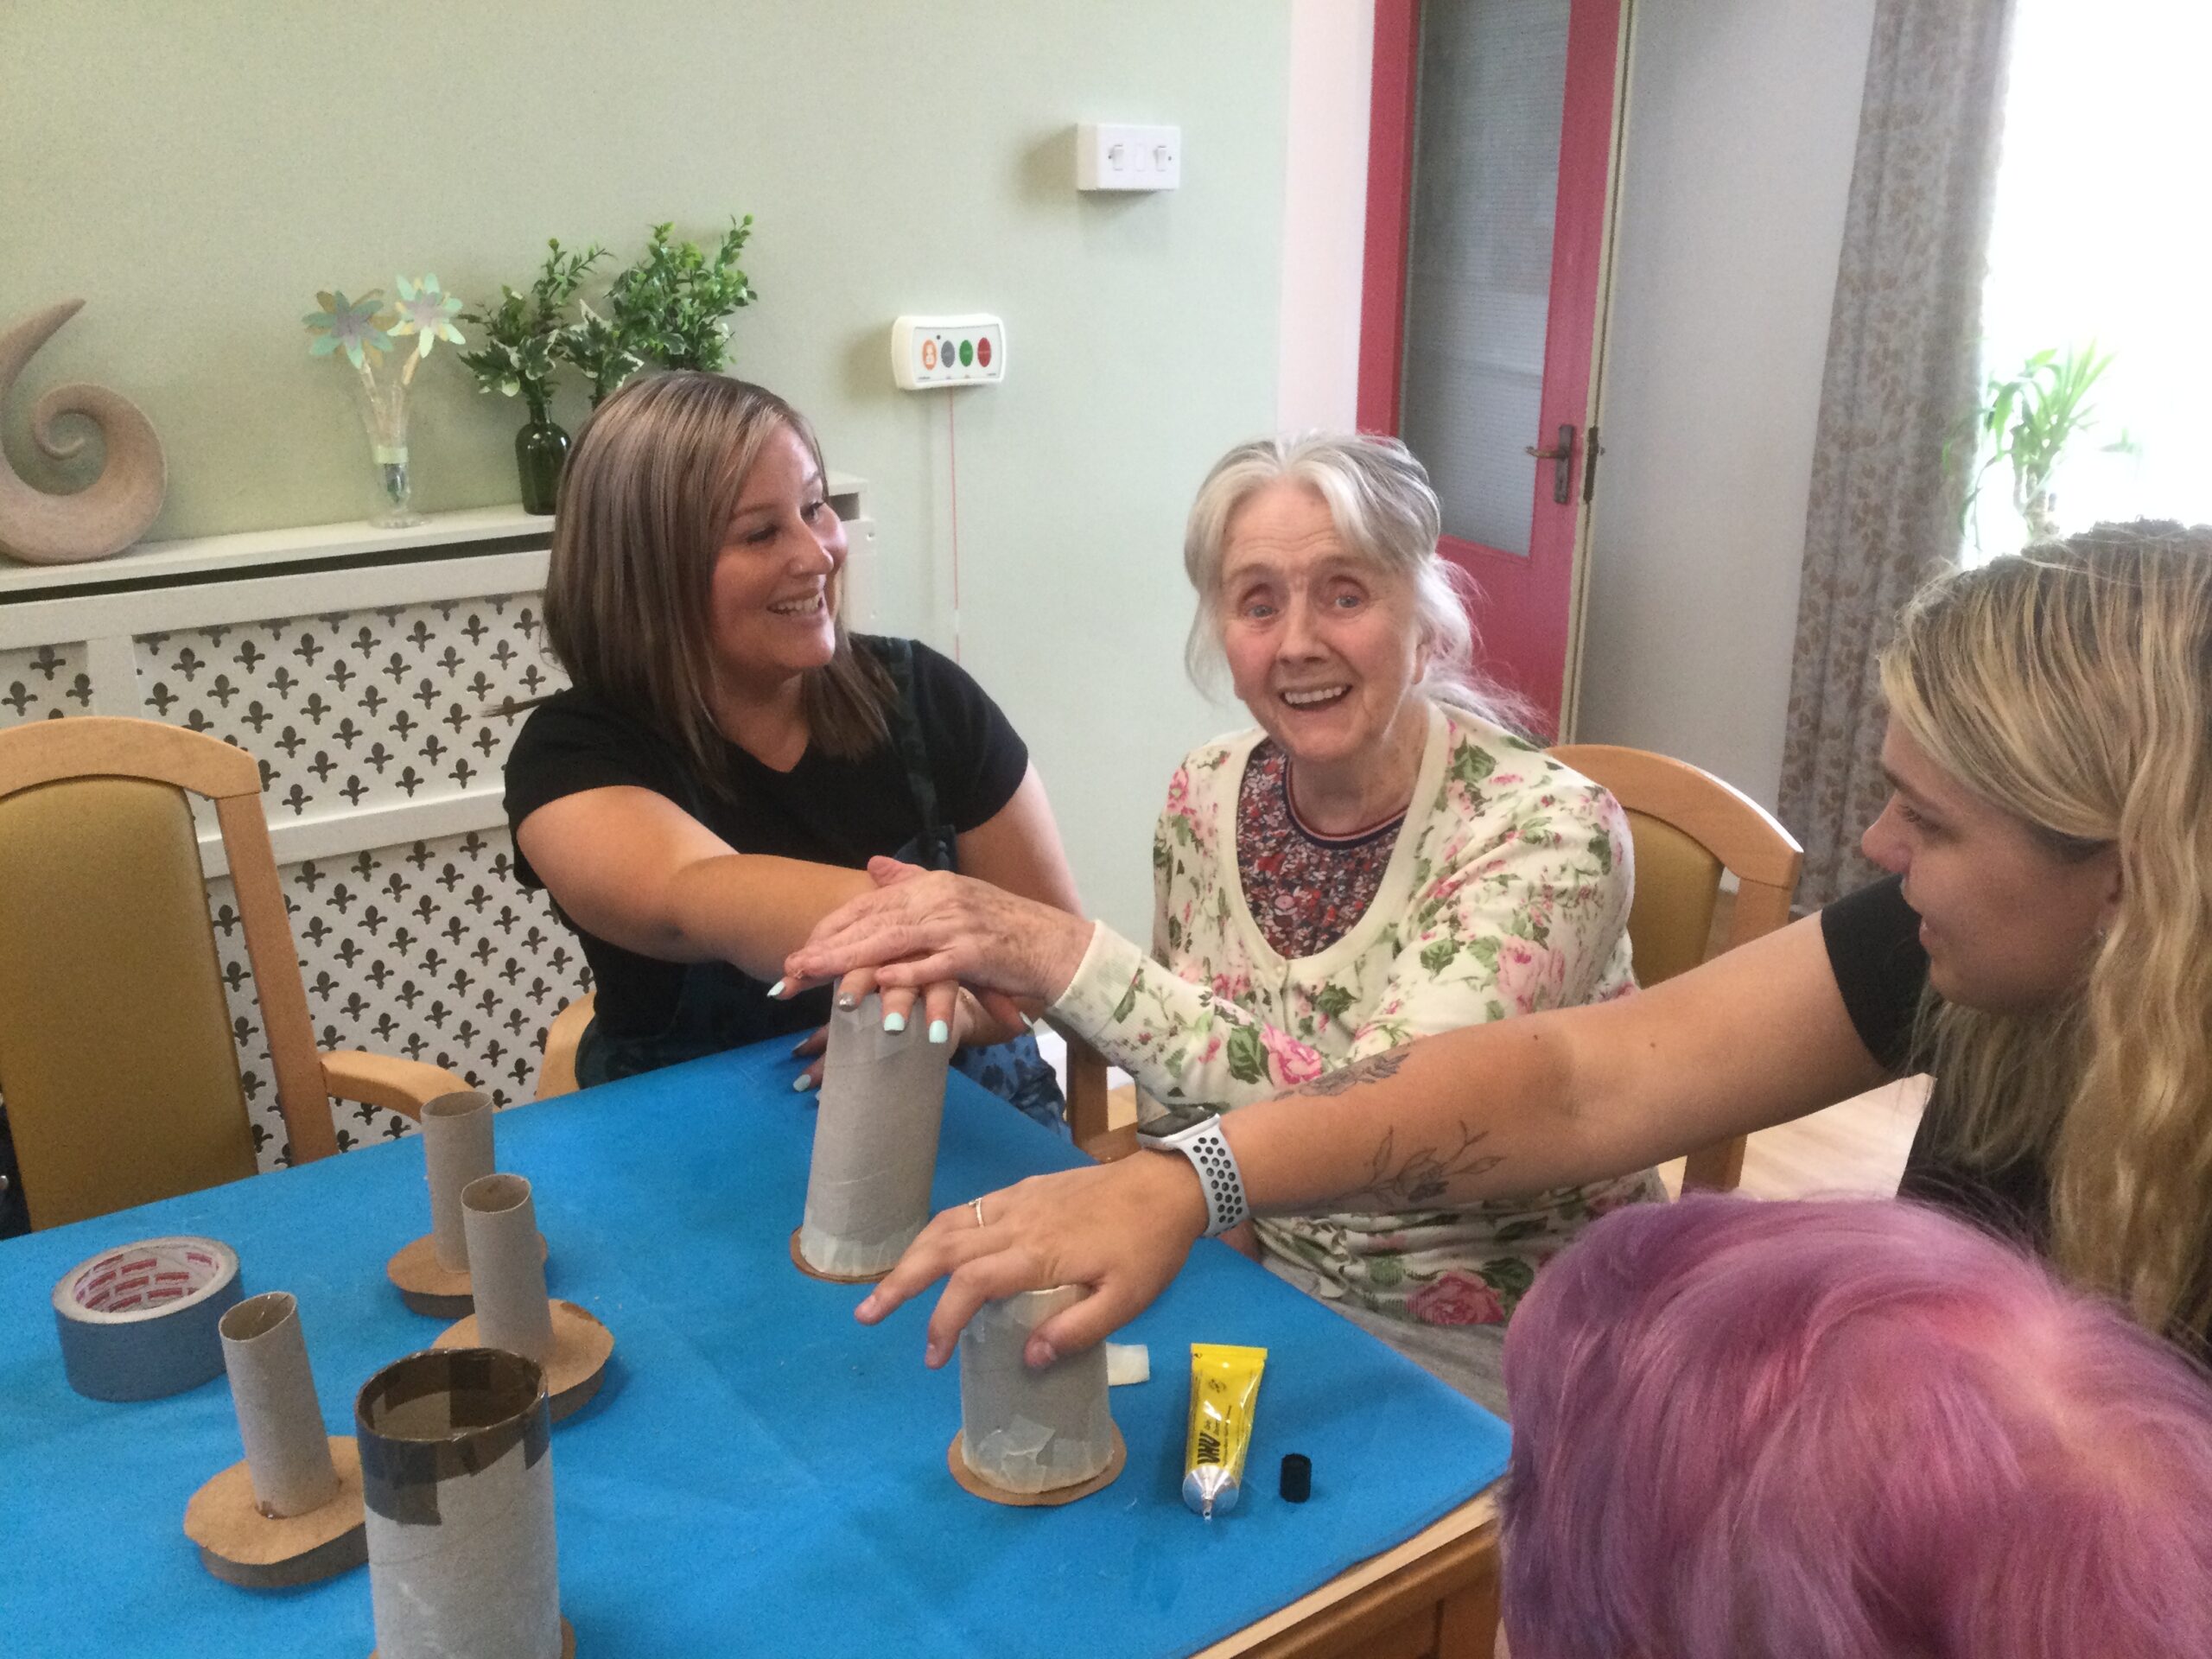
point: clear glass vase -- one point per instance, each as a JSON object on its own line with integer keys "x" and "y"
{"x": 383, "y": 412}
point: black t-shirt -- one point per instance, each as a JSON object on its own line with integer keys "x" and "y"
{"x": 825, "y": 811}
{"x": 1881, "y": 968}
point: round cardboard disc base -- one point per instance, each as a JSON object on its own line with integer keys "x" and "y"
{"x": 436, "y": 1292}
{"x": 801, "y": 1263}
{"x": 567, "y": 1643}
{"x": 577, "y": 1364}
{"x": 971, "y": 1481}
{"x": 240, "y": 1545}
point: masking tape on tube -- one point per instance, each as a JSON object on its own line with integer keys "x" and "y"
{"x": 139, "y": 1322}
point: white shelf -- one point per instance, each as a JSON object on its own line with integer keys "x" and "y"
{"x": 252, "y": 549}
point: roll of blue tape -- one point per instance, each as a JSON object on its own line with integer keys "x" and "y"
{"x": 139, "y": 1323}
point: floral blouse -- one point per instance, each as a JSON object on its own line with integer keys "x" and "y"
{"x": 1507, "y": 891}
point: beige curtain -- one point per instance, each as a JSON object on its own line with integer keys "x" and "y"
{"x": 1901, "y": 370}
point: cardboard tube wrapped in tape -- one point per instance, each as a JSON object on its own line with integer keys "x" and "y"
{"x": 506, "y": 1268}
{"x": 286, "y": 1454}
{"x": 1031, "y": 1431}
{"x": 457, "y": 1473}
{"x": 456, "y": 1150}
{"x": 140, "y": 1322}
{"x": 867, "y": 1189}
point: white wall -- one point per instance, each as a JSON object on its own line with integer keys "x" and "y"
{"x": 1743, "y": 119}
{"x": 1325, "y": 212}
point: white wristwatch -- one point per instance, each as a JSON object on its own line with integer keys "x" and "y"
{"x": 1196, "y": 1133}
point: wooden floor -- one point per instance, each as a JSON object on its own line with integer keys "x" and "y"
{"x": 1857, "y": 1146}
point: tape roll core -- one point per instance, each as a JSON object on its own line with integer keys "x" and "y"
{"x": 140, "y": 1322}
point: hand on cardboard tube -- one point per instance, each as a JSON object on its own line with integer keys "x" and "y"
{"x": 1121, "y": 1228}
{"x": 919, "y": 927}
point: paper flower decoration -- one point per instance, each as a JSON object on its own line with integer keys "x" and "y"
{"x": 427, "y": 313}
{"x": 348, "y": 325}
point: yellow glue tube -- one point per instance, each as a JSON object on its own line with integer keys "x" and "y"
{"x": 1224, "y": 1388}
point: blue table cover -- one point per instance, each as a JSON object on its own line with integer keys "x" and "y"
{"x": 760, "y": 1474}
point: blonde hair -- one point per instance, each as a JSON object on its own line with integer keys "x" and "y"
{"x": 2072, "y": 687}
{"x": 646, "y": 505}
{"x": 1386, "y": 512}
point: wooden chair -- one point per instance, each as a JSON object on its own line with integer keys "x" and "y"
{"x": 1688, "y": 826}
{"x": 1086, "y": 1091}
{"x": 118, "y": 1063}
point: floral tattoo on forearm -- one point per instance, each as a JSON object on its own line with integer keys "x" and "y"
{"x": 1423, "y": 1176}
{"x": 1426, "y": 1175}
{"x": 1374, "y": 1069}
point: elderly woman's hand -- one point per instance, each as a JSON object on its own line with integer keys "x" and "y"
{"x": 1123, "y": 1229}
{"x": 922, "y": 926}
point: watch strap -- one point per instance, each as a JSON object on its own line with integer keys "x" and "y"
{"x": 1207, "y": 1148}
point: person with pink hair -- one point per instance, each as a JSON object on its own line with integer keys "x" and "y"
{"x": 1839, "y": 1429}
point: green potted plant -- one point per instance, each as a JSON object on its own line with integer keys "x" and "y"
{"x": 519, "y": 357}
{"x": 670, "y": 308}
{"x": 2026, "y": 420}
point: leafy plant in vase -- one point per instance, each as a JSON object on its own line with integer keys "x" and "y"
{"x": 364, "y": 330}
{"x": 671, "y": 309}
{"x": 520, "y": 357}
{"x": 2027, "y": 419}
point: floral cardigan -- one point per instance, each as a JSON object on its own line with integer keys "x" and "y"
{"x": 1508, "y": 892}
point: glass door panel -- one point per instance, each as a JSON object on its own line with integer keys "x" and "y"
{"x": 1493, "y": 84}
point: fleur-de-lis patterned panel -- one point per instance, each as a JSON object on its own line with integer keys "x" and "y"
{"x": 363, "y": 708}
{"x": 429, "y": 951}
{"x": 43, "y": 683}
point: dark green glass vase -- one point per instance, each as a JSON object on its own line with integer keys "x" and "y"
{"x": 541, "y": 449}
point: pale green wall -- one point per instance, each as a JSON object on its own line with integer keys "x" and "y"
{"x": 198, "y": 170}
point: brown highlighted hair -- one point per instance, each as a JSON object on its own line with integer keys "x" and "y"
{"x": 646, "y": 505}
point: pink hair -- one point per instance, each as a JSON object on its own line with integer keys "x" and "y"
{"x": 1839, "y": 1429}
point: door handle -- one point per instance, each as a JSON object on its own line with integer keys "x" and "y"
{"x": 1561, "y": 456}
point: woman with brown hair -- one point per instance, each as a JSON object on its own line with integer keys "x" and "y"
{"x": 728, "y": 758}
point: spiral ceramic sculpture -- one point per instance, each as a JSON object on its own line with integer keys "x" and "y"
{"x": 114, "y": 510}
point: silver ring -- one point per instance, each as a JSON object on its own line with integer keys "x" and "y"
{"x": 976, "y": 1206}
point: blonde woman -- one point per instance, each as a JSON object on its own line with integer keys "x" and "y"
{"x": 2041, "y": 946}
{"x": 1379, "y": 858}
{"x": 729, "y": 758}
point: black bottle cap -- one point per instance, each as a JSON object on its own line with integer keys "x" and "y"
{"x": 1297, "y": 1484}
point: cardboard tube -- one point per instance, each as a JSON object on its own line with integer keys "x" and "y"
{"x": 506, "y": 1270}
{"x": 867, "y": 1189}
{"x": 456, "y": 1150}
{"x": 287, "y": 1453}
{"x": 1024, "y": 1430}
{"x": 457, "y": 1475}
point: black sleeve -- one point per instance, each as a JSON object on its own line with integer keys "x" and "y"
{"x": 1874, "y": 950}
{"x": 571, "y": 743}
{"x": 979, "y": 758}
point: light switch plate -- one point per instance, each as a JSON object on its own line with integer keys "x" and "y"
{"x": 1110, "y": 156}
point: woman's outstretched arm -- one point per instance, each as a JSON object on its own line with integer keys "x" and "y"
{"x": 1752, "y": 1038}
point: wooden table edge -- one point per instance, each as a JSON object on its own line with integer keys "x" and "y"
{"x": 1477, "y": 1516}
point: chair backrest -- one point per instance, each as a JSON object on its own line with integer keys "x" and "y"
{"x": 117, "y": 1067}
{"x": 1688, "y": 827}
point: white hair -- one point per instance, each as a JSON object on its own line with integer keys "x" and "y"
{"x": 1386, "y": 514}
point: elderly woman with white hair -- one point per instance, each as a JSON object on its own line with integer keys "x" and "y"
{"x": 1381, "y": 859}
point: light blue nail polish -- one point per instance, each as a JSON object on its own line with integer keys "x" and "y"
{"x": 894, "y": 1022}
{"x": 939, "y": 1031}
{"x": 801, "y": 1083}
{"x": 776, "y": 989}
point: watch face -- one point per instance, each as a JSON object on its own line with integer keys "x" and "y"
{"x": 1174, "y": 1120}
